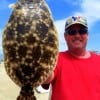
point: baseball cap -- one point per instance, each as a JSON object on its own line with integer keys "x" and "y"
{"x": 75, "y": 20}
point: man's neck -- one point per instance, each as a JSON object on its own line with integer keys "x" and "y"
{"x": 80, "y": 53}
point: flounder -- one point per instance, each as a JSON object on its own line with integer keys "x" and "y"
{"x": 30, "y": 45}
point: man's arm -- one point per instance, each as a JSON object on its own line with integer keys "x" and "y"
{"x": 46, "y": 84}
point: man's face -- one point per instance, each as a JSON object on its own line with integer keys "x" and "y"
{"x": 76, "y": 37}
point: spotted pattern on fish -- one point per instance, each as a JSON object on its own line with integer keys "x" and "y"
{"x": 30, "y": 43}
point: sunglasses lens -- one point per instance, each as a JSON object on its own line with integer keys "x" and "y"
{"x": 73, "y": 32}
{"x": 82, "y": 31}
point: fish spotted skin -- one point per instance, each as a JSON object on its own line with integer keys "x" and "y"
{"x": 30, "y": 43}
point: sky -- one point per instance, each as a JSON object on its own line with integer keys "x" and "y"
{"x": 61, "y": 10}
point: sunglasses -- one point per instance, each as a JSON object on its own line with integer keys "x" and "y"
{"x": 74, "y": 32}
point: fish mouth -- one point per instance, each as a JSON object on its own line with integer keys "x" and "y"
{"x": 34, "y": 4}
{"x": 28, "y": 1}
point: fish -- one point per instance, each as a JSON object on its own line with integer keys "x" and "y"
{"x": 30, "y": 46}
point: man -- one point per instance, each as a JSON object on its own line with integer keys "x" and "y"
{"x": 77, "y": 73}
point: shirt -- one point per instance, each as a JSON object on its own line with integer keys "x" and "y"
{"x": 76, "y": 78}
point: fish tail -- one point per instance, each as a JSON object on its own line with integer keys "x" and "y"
{"x": 26, "y": 93}
{"x": 21, "y": 97}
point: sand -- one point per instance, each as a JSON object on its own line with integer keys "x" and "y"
{"x": 9, "y": 90}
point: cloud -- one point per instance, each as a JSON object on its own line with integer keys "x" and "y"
{"x": 91, "y": 10}
{"x": 60, "y": 24}
{"x": 91, "y": 7}
{"x": 88, "y": 8}
{"x": 11, "y": 5}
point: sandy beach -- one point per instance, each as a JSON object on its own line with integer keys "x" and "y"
{"x": 9, "y": 90}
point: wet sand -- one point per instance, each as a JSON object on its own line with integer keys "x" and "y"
{"x": 9, "y": 90}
